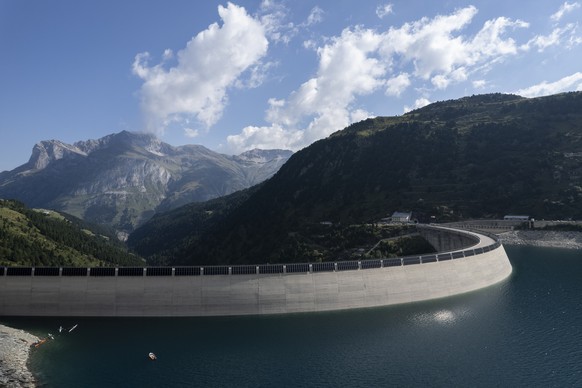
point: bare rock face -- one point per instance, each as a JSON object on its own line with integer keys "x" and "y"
{"x": 46, "y": 152}
{"x": 14, "y": 349}
{"x": 122, "y": 179}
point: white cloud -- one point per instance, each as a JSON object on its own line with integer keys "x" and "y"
{"x": 361, "y": 61}
{"x": 267, "y": 137}
{"x": 212, "y": 61}
{"x": 479, "y": 84}
{"x": 384, "y": 10}
{"x": 489, "y": 44}
{"x": 190, "y": 132}
{"x": 440, "y": 81}
{"x": 555, "y": 38}
{"x": 428, "y": 44}
{"x": 256, "y": 75}
{"x": 359, "y": 115}
{"x": 419, "y": 103}
{"x": 273, "y": 16}
{"x": 315, "y": 16}
{"x": 436, "y": 46}
{"x": 310, "y": 44}
{"x": 564, "y": 9}
{"x": 396, "y": 85}
{"x": 322, "y": 104}
{"x": 569, "y": 83}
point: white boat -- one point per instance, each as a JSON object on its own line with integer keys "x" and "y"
{"x": 72, "y": 328}
{"x": 152, "y": 356}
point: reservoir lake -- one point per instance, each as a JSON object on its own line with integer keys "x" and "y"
{"x": 525, "y": 331}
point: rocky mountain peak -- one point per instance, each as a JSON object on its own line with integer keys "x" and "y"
{"x": 259, "y": 156}
{"x": 146, "y": 141}
{"x": 123, "y": 178}
{"x": 47, "y": 151}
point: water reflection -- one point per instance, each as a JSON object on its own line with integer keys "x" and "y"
{"x": 524, "y": 331}
{"x": 443, "y": 317}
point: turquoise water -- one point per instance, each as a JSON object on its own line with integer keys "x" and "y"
{"x": 525, "y": 331}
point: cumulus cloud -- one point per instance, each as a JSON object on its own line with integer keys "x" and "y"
{"x": 265, "y": 137}
{"x": 419, "y": 103}
{"x": 322, "y": 104}
{"x": 396, "y": 85}
{"x": 569, "y": 83}
{"x": 212, "y": 61}
{"x": 361, "y": 61}
{"x": 359, "y": 115}
{"x": 564, "y": 9}
{"x": 436, "y": 47}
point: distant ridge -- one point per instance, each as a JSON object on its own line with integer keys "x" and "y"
{"x": 121, "y": 179}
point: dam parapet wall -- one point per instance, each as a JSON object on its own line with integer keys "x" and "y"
{"x": 447, "y": 240}
{"x": 472, "y": 262}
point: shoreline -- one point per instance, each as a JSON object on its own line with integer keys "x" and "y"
{"x": 15, "y": 345}
{"x": 542, "y": 238}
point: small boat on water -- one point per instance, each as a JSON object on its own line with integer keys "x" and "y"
{"x": 152, "y": 356}
{"x": 72, "y": 328}
{"x": 60, "y": 329}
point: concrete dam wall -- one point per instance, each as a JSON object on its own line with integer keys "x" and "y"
{"x": 261, "y": 289}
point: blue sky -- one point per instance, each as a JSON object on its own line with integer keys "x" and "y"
{"x": 239, "y": 75}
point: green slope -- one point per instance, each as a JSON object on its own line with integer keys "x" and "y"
{"x": 47, "y": 238}
{"x": 481, "y": 156}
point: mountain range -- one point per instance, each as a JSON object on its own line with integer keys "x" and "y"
{"x": 122, "y": 179}
{"x": 482, "y": 156}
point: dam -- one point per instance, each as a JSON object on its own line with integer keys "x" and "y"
{"x": 466, "y": 261}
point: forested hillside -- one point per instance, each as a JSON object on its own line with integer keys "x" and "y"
{"x": 475, "y": 157}
{"x": 47, "y": 238}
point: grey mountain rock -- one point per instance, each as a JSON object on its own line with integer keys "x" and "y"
{"x": 122, "y": 179}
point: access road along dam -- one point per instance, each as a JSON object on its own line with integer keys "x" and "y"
{"x": 466, "y": 261}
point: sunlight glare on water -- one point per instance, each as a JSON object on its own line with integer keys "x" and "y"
{"x": 522, "y": 332}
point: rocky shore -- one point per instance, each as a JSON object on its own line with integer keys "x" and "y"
{"x": 540, "y": 238}
{"x": 14, "y": 348}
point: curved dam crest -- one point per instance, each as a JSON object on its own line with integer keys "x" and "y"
{"x": 466, "y": 261}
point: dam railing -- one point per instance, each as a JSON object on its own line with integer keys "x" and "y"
{"x": 259, "y": 269}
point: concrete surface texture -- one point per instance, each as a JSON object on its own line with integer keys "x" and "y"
{"x": 260, "y": 293}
